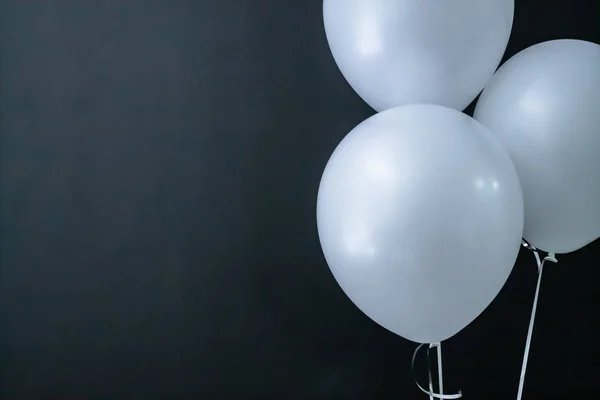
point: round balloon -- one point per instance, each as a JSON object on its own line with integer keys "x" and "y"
{"x": 544, "y": 106}
{"x": 420, "y": 217}
{"x": 397, "y": 52}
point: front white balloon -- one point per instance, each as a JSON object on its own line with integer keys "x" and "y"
{"x": 397, "y": 52}
{"x": 544, "y": 106}
{"x": 420, "y": 217}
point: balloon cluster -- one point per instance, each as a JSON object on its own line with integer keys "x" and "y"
{"x": 421, "y": 209}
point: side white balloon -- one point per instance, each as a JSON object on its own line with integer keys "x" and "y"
{"x": 420, "y": 217}
{"x": 544, "y": 106}
{"x": 397, "y": 52}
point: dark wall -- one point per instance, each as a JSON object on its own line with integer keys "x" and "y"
{"x": 159, "y": 163}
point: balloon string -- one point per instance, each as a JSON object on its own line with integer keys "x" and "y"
{"x": 440, "y": 372}
{"x": 430, "y": 392}
{"x": 550, "y": 257}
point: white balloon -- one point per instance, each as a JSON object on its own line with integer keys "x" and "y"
{"x": 420, "y": 217}
{"x": 397, "y": 52}
{"x": 544, "y": 106}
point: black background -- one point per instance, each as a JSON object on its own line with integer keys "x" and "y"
{"x": 159, "y": 168}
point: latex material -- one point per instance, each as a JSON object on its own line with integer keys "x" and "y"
{"x": 420, "y": 217}
{"x": 396, "y": 52}
{"x": 544, "y": 106}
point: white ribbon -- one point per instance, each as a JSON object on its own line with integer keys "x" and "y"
{"x": 430, "y": 392}
{"x": 432, "y": 395}
{"x": 540, "y": 264}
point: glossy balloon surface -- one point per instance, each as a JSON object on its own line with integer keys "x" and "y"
{"x": 544, "y": 106}
{"x": 397, "y": 52}
{"x": 420, "y": 217}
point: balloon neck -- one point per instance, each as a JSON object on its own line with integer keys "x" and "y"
{"x": 551, "y": 257}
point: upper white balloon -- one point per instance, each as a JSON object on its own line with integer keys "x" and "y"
{"x": 397, "y": 52}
